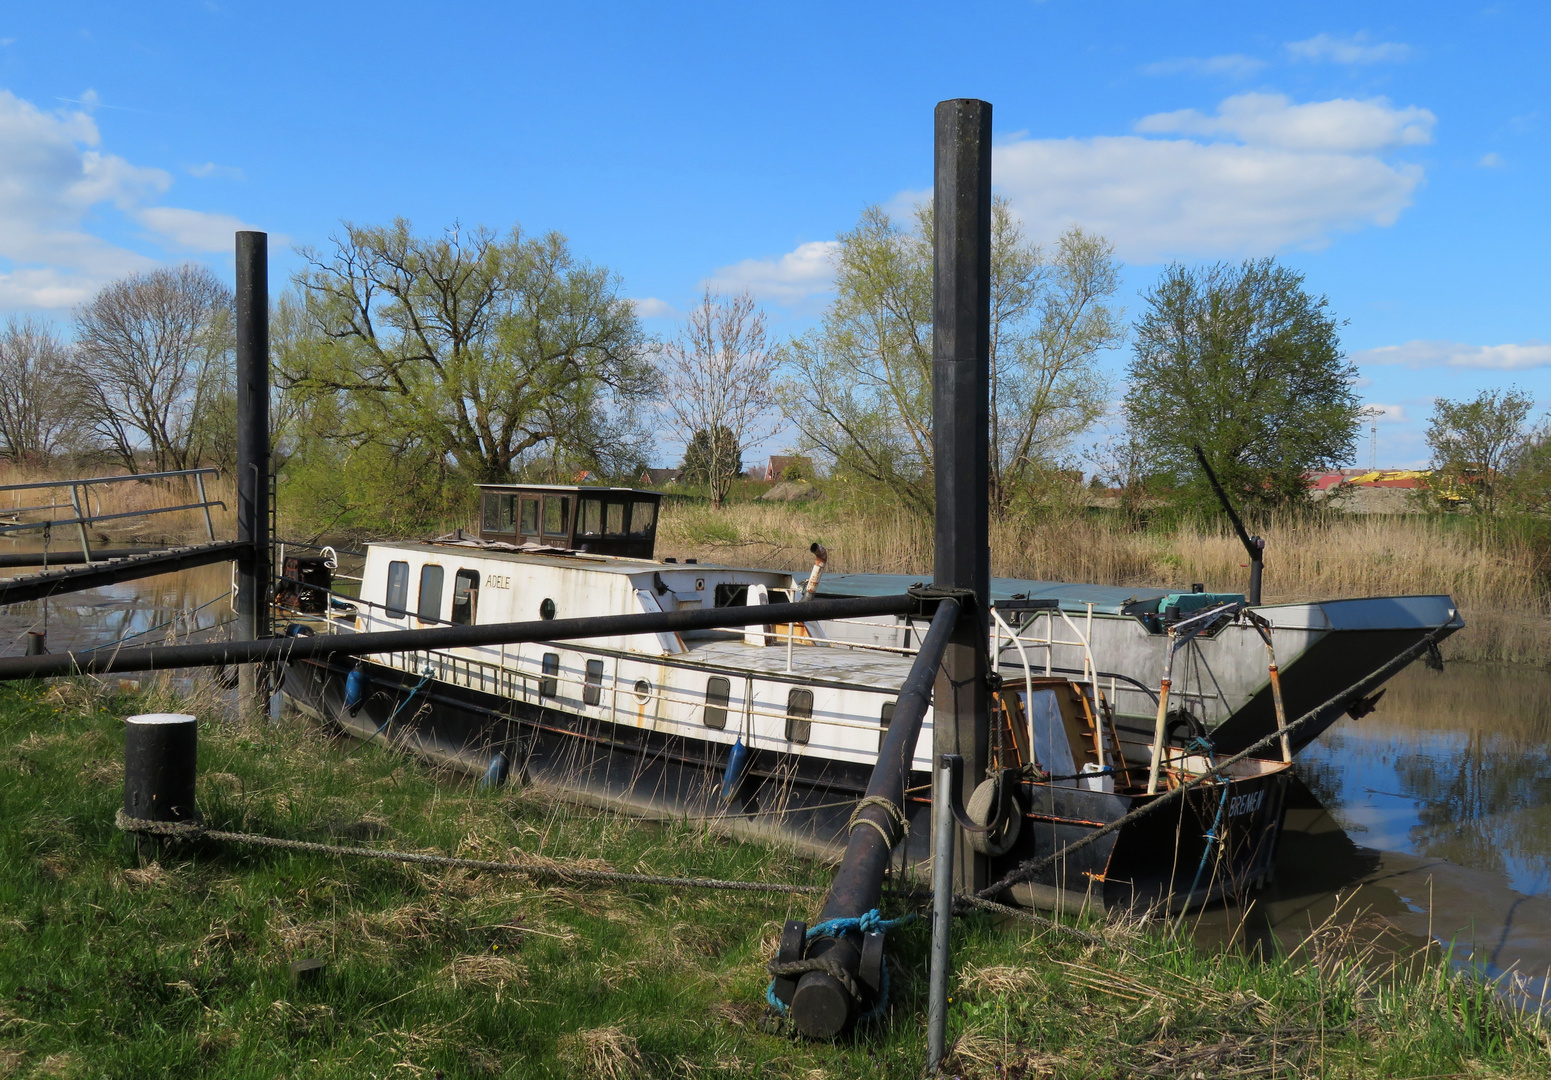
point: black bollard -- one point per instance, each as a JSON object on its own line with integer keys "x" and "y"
{"x": 37, "y": 643}
{"x": 159, "y": 754}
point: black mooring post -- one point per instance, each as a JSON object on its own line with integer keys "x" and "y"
{"x": 961, "y": 365}
{"x": 159, "y": 757}
{"x": 253, "y": 565}
{"x": 1254, "y": 546}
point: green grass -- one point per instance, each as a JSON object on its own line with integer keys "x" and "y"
{"x": 179, "y": 968}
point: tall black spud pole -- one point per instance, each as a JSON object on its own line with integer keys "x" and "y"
{"x": 253, "y": 566}
{"x": 961, "y": 365}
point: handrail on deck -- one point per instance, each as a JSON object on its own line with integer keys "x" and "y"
{"x": 81, "y": 482}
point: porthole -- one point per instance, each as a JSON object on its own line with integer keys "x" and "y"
{"x": 547, "y": 609}
{"x": 643, "y": 691}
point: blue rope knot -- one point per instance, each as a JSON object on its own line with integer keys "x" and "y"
{"x": 870, "y": 922}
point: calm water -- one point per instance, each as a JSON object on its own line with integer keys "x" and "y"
{"x": 1429, "y": 819}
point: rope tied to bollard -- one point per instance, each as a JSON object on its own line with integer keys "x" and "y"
{"x": 869, "y": 922}
{"x": 888, "y": 806}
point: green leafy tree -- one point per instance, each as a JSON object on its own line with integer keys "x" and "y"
{"x": 713, "y": 458}
{"x": 859, "y": 387}
{"x": 1245, "y": 363}
{"x": 1478, "y": 445}
{"x": 497, "y": 354}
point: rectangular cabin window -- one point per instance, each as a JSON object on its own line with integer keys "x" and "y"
{"x": 398, "y": 590}
{"x": 592, "y": 686}
{"x": 718, "y": 691}
{"x": 530, "y": 517}
{"x": 508, "y": 513}
{"x": 492, "y": 505}
{"x": 549, "y": 685}
{"x": 430, "y": 606}
{"x": 730, "y": 595}
{"x": 643, "y": 515}
{"x": 614, "y": 519}
{"x": 589, "y": 520}
{"x": 799, "y": 716}
{"x": 557, "y": 515}
{"x": 465, "y": 597}
{"x": 885, "y": 718}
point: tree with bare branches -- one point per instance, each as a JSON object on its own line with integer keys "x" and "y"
{"x": 859, "y": 386}
{"x": 39, "y": 392}
{"x": 718, "y": 387}
{"x": 494, "y": 352}
{"x": 155, "y": 352}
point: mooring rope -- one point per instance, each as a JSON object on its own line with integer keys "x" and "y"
{"x": 888, "y": 806}
{"x": 1025, "y": 871}
{"x": 188, "y": 830}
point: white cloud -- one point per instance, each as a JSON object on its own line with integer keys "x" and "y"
{"x": 195, "y": 229}
{"x": 805, "y": 271}
{"x": 210, "y": 170}
{"x": 1232, "y": 65}
{"x": 53, "y": 180}
{"x": 1494, "y": 160}
{"x": 1343, "y": 125}
{"x": 1356, "y": 49}
{"x": 1455, "y": 354}
{"x": 653, "y": 308}
{"x": 1274, "y": 175}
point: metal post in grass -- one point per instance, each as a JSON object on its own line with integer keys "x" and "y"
{"x": 961, "y": 365}
{"x": 253, "y": 563}
{"x": 942, "y": 917}
{"x": 159, "y": 770}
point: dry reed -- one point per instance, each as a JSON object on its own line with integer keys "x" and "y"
{"x": 1494, "y": 579}
{"x": 182, "y": 526}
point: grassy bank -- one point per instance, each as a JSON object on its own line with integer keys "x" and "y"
{"x": 1497, "y": 574}
{"x": 113, "y": 968}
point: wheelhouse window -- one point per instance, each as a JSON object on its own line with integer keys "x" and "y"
{"x": 643, "y": 515}
{"x": 590, "y": 521}
{"x": 508, "y": 513}
{"x": 799, "y": 716}
{"x": 397, "y": 600}
{"x": 492, "y": 503}
{"x": 718, "y": 691}
{"x": 549, "y": 685}
{"x": 592, "y": 686}
{"x": 614, "y": 519}
{"x": 430, "y": 606}
{"x": 557, "y": 515}
{"x": 530, "y": 517}
{"x": 465, "y": 597}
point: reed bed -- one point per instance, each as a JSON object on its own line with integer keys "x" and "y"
{"x": 177, "y": 967}
{"x": 1493, "y": 575}
{"x": 185, "y": 526}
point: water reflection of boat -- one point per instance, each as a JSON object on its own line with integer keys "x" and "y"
{"x": 1224, "y": 689}
{"x": 771, "y": 729}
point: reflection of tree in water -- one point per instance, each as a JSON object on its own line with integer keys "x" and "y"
{"x": 1483, "y": 799}
{"x": 1464, "y": 757}
{"x": 1321, "y": 776}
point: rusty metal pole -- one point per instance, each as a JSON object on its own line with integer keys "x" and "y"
{"x": 253, "y": 569}
{"x": 961, "y": 364}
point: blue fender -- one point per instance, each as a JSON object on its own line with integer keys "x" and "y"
{"x": 736, "y": 761}
{"x": 355, "y": 690}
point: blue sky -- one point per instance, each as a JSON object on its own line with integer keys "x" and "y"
{"x": 1394, "y": 153}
